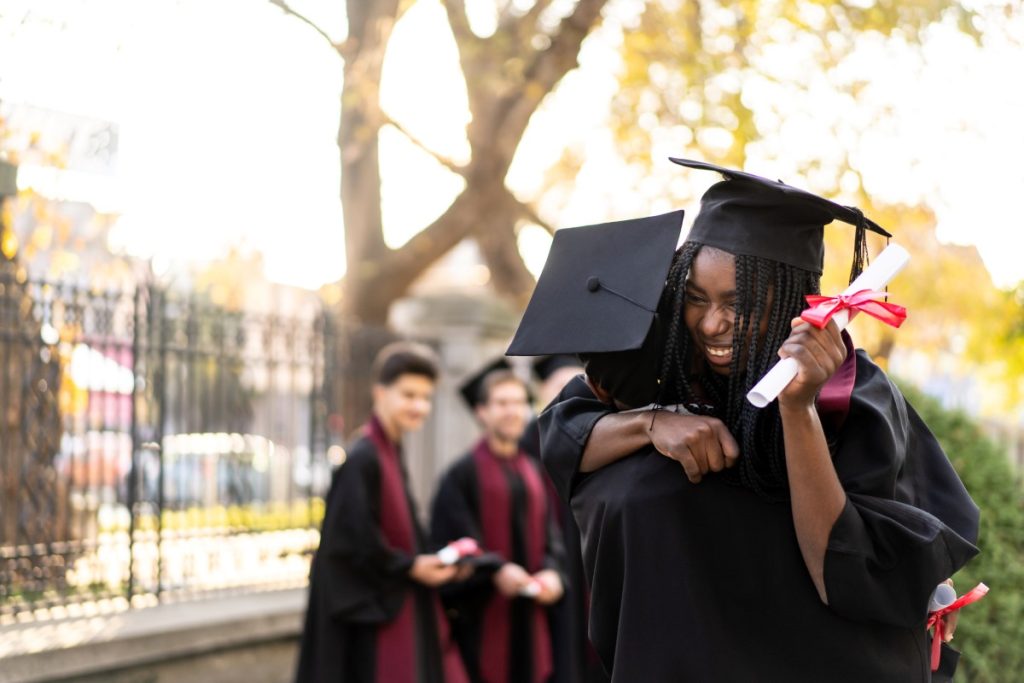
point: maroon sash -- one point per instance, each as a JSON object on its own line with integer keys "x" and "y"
{"x": 834, "y": 398}
{"x": 496, "y": 523}
{"x": 396, "y": 640}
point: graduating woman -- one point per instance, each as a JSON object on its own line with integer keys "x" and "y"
{"x": 796, "y": 543}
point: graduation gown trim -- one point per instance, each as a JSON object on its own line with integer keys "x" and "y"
{"x": 397, "y": 527}
{"x": 399, "y": 634}
{"x": 496, "y": 525}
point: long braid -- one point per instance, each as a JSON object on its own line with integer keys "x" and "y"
{"x": 762, "y": 286}
{"x": 675, "y": 366}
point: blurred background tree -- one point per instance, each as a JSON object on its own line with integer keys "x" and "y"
{"x": 718, "y": 81}
{"x": 508, "y": 68}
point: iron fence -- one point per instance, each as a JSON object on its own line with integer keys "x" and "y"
{"x": 155, "y": 447}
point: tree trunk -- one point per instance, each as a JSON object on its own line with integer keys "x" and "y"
{"x": 502, "y": 100}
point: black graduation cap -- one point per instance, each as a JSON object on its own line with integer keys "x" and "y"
{"x": 472, "y": 387}
{"x": 754, "y": 216}
{"x": 599, "y": 288}
{"x": 545, "y": 366}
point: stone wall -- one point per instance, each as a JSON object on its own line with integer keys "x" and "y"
{"x": 239, "y": 639}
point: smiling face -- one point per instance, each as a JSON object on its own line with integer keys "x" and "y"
{"x": 506, "y": 411}
{"x": 710, "y": 305}
{"x": 403, "y": 405}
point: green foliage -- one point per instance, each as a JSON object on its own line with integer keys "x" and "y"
{"x": 990, "y": 633}
{"x": 687, "y": 65}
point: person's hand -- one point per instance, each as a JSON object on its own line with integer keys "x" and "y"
{"x": 551, "y": 589}
{"x": 510, "y": 579}
{"x": 818, "y": 354}
{"x": 949, "y": 619}
{"x": 463, "y": 570}
{"x": 430, "y": 571}
{"x": 700, "y": 444}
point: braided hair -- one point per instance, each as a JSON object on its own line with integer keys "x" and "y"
{"x": 763, "y": 287}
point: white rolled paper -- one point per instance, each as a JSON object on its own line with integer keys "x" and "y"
{"x": 448, "y": 555}
{"x": 876, "y": 276}
{"x": 530, "y": 590}
{"x": 943, "y": 596}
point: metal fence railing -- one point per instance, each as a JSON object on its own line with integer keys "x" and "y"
{"x": 154, "y": 447}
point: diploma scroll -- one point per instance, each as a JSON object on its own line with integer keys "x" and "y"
{"x": 531, "y": 589}
{"x": 458, "y": 550}
{"x": 876, "y": 276}
{"x": 943, "y": 596}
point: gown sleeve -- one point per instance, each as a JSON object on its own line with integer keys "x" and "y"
{"x": 455, "y": 515}
{"x": 565, "y": 426}
{"x": 908, "y": 523}
{"x": 364, "y": 578}
{"x": 554, "y": 550}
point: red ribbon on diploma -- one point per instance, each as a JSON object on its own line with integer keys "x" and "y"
{"x": 935, "y": 619}
{"x": 867, "y": 301}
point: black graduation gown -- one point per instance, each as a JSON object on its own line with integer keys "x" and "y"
{"x": 705, "y": 582}
{"x": 456, "y": 514}
{"x": 574, "y": 658}
{"x": 358, "y": 582}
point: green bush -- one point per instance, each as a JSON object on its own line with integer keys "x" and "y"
{"x": 990, "y": 633}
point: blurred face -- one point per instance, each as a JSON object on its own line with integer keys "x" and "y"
{"x": 506, "y": 412}
{"x": 710, "y": 308}
{"x": 404, "y": 404}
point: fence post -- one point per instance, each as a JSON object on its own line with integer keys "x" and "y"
{"x": 133, "y": 471}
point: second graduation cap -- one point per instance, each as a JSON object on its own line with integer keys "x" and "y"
{"x": 472, "y": 388}
{"x": 754, "y": 216}
{"x": 600, "y": 287}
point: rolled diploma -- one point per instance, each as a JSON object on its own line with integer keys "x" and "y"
{"x": 942, "y": 596}
{"x": 876, "y": 276}
{"x": 531, "y": 589}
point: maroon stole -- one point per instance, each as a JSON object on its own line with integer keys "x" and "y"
{"x": 834, "y": 398}
{"x": 496, "y": 523}
{"x": 396, "y": 640}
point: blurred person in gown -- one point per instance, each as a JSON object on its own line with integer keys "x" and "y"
{"x": 496, "y": 495}
{"x": 374, "y": 615}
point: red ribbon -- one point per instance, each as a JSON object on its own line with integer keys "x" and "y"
{"x": 936, "y": 620}
{"x": 867, "y": 301}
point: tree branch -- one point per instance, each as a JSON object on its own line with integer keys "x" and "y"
{"x": 561, "y": 56}
{"x": 509, "y": 274}
{"x": 530, "y": 214}
{"x": 441, "y": 159}
{"x": 532, "y": 16}
{"x": 287, "y": 9}
{"x": 400, "y": 267}
{"x": 540, "y": 77}
{"x": 456, "y": 10}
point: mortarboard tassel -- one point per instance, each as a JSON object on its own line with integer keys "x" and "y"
{"x": 860, "y": 245}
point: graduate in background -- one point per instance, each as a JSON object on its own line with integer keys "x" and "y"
{"x": 798, "y": 543}
{"x": 374, "y": 615}
{"x": 575, "y": 660}
{"x": 496, "y": 495}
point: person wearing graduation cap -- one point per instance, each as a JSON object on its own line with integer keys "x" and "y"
{"x": 374, "y": 615}
{"x": 800, "y": 542}
{"x": 495, "y": 494}
{"x": 553, "y": 373}
{"x": 574, "y": 658}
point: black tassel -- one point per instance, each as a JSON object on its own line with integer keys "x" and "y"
{"x": 860, "y": 246}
